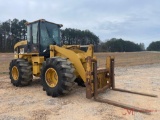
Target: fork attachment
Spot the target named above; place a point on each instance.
(99, 80)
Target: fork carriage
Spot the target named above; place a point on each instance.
(99, 80)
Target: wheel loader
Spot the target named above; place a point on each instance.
(59, 66)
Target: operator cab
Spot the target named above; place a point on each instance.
(41, 34)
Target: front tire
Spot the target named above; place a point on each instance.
(57, 76)
(20, 72)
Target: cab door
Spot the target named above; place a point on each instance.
(35, 45)
(32, 37)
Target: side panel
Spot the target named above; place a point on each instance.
(37, 64)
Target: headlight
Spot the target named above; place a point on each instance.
(21, 50)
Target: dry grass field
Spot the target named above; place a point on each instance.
(137, 71)
(125, 59)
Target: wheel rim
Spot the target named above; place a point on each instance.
(51, 77)
(15, 73)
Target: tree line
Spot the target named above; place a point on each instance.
(13, 31)
(154, 46)
(79, 37)
(120, 45)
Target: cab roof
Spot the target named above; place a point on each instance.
(43, 20)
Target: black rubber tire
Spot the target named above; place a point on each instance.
(80, 82)
(25, 72)
(66, 76)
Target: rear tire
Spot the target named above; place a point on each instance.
(63, 72)
(20, 72)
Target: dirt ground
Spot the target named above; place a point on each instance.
(134, 71)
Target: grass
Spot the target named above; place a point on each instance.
(130, 58)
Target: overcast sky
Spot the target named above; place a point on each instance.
(134, 20)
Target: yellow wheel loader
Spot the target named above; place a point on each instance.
(58, 67)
